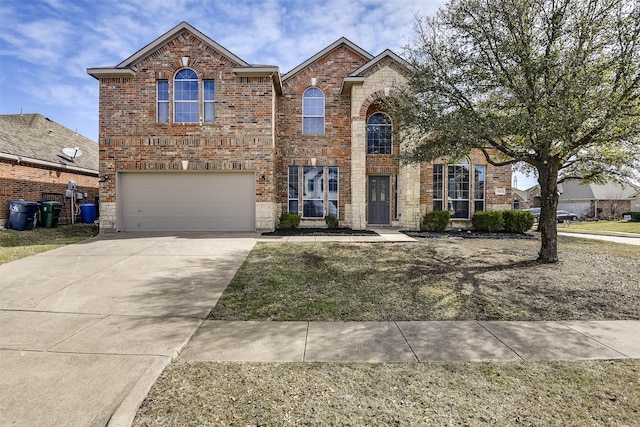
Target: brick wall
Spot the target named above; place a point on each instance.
(241, 138)
(334, 147)
(28, 182)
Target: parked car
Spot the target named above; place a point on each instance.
(535, 212)
(566, 216)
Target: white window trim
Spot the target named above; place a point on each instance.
(159, 101)
(196, 101)
(314, 116)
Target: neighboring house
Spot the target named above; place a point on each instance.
(635, 202)
(526, 199)
(601, 201)
(33, 165)
(192, 137)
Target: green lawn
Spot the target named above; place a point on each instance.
(615, 228)
(19, 244)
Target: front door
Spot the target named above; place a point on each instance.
(379, 206)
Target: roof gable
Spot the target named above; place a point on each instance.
(387, 54)
(171, 34)
(35, 137)
(359, 75)
(341, 41)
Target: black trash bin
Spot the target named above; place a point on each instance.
(50, 212)
(22, 214)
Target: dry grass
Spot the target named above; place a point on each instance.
(434, 279)
(603, 393)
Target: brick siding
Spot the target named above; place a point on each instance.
(28, 182)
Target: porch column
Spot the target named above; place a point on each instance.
(358, 175)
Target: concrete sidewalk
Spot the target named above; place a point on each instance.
(429, 341)
(614, 239)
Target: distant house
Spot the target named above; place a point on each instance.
(34, 165)
(526, 199)
(601, 201)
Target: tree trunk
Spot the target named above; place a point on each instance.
(548, 221)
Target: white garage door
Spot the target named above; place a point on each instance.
(182, 201)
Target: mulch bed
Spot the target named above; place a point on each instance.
(308, 231)
(468, 234)
(454, 233)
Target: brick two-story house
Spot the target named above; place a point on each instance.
(192, 137)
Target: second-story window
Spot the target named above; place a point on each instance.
(185, 97)
(208, 98)
(163, 101)
(313, 112)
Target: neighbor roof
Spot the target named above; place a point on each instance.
(37, 139)
(574, 190)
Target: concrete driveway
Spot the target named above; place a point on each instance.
(86, 329)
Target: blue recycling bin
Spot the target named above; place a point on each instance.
(22, 215)
(88, 212)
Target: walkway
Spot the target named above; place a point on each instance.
(614, 239)
(430, 341)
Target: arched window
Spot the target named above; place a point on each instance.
(379, 131)
(185, 96)
(313, 112)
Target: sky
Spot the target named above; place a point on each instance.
(46, 46)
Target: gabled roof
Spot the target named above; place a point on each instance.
(574, 190)
(523, 194)
(357, 77)
(172, 33)
(124, 69)
(341, 41)
(33, 138)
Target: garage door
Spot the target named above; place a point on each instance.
(181, 201)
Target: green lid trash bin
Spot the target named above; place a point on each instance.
(50, 213)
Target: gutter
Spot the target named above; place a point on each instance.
(21, 159)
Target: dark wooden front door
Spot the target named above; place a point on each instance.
(379, 203)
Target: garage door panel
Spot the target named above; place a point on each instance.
(187, 201)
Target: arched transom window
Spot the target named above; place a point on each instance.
(185, 96)
(379, 131)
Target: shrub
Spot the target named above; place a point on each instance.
(289, 221)
(332, 221)
(435, 221)
(635, 216)
(518, 221)
(490, 221)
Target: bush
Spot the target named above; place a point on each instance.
(490, 221)
(518, 221)
(435, 221)
(635, 216)
(332, 221)
(289, 221)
